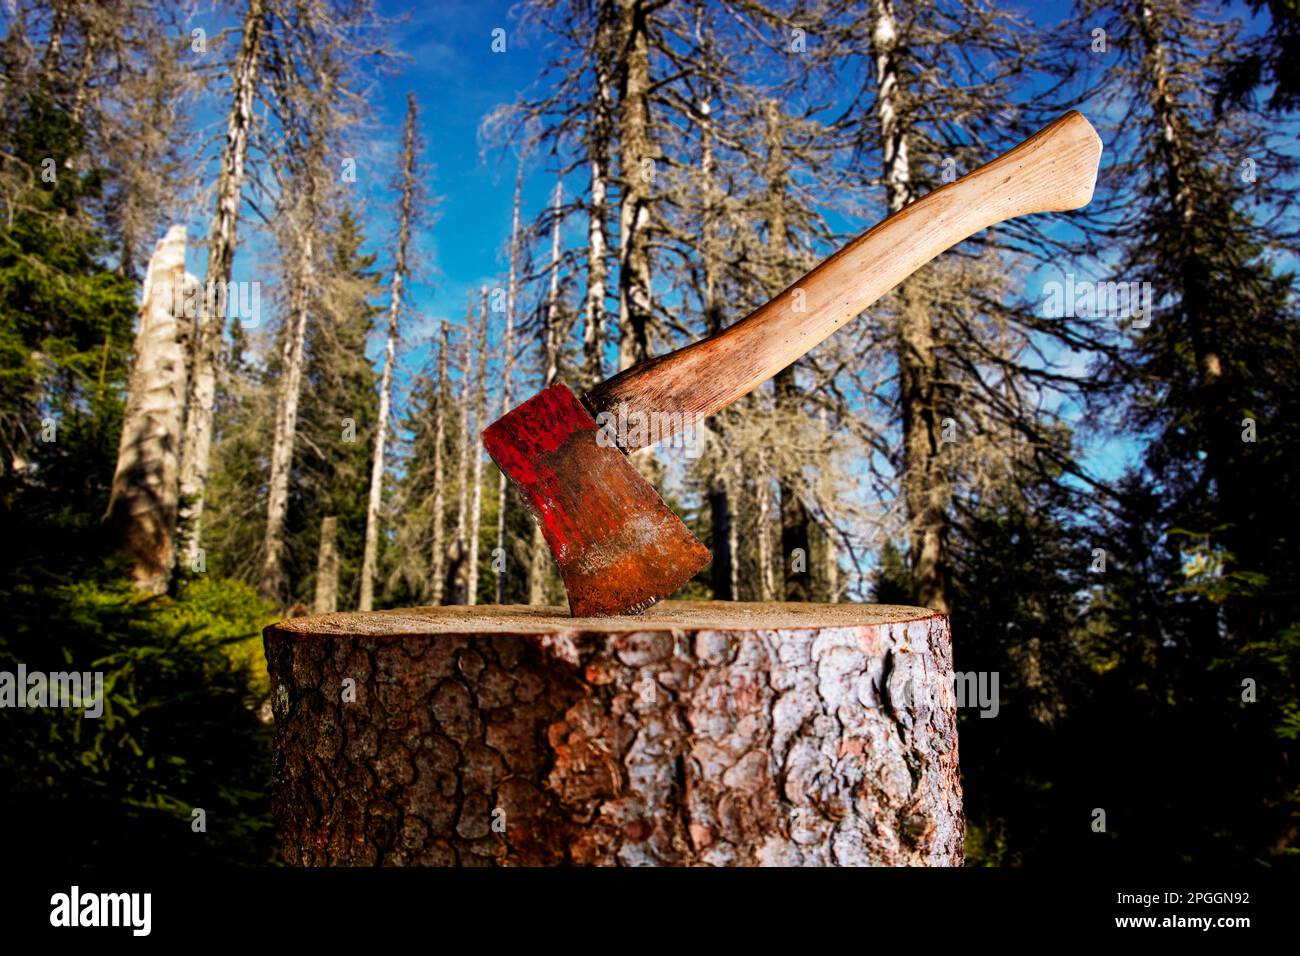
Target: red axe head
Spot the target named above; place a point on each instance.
(619, 547)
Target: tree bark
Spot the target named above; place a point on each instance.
(698, 734)
(142, 506)
(327, 567)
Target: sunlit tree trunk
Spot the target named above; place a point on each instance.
(924, 486)
(507, 367)
(327, 567)
(370, 555)
(286, 415)
(205, 342)
(539, 554)
(476, 491)
(599, 148)
(438, 563)
(142, 504)
(636, 184)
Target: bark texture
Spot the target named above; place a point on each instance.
(700, 733)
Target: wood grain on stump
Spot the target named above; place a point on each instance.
(698, 733)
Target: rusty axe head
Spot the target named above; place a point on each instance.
(619, 547)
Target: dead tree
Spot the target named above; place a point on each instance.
(507, 368)
(205, 344)
(438, 562)
(538, 554)
(142, 506)
(476, 490)
(370, 554)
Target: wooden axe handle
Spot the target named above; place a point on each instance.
(1052, 171)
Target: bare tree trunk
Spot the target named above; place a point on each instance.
(439, 556)
(716, 734)
(142, 506)
(794, 515)
(508, 362)
(539, 554)
(370, 554)
(458, 570)
(205, 343)
(327, 567)
(554, 334)
(720, 524)
(832, 565)
(925, 489)
(636, 158)
(735, 484)
(763, 492)
(1193, 290)
(599, 137)
(476, 492)
(286, 418)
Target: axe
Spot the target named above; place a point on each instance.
(619, 547)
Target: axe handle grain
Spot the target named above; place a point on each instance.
(1052, 171)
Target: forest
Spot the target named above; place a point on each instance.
(262, 287)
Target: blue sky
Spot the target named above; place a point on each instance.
(458, 79)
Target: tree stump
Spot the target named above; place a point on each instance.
(713, 733)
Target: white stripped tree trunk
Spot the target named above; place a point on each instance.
(539, 554)
(370, 552)
(924, 489)
(327, 567)
(507, 368)
(438, 563)
(463, 439)
(636, 156)
(142, 505)
(599, 147)
(763, 494)
(209, 322)
(286, 418)
(476, 491)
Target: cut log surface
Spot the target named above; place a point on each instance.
(710, 733)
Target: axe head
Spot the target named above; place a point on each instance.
(619, 547)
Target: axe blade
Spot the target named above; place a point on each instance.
(619, 547)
